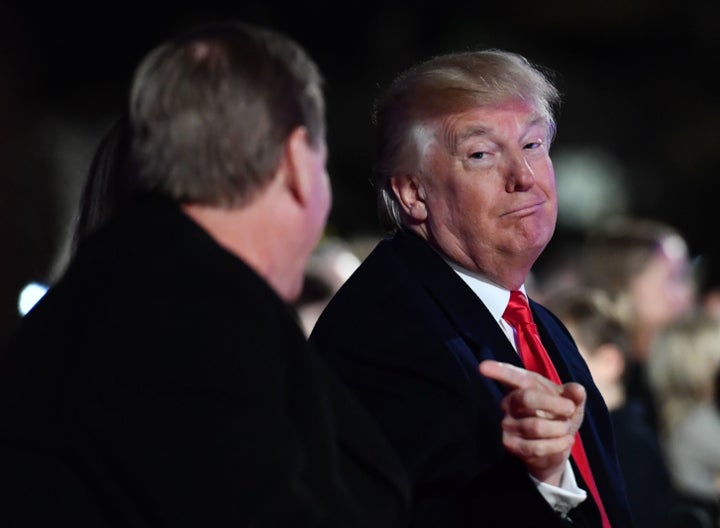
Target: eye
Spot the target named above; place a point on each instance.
(478, 155)
(533, 145)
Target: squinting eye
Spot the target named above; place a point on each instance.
(534, 145)
(477, 155)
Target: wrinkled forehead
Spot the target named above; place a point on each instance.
(486, 120)
(462, 100)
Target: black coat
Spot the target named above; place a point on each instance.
(162, 382)
(407, 334)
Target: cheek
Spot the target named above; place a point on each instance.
(458, 206)
(478, 195)
(326, 187)
(657, 299)
(324, 193)
(545, 176)
(681, 294)
(320, 201)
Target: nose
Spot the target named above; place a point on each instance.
(520, 175)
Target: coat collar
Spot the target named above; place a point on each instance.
(468, 315)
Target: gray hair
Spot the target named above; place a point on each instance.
(210, 112)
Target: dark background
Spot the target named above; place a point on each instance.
(638, 128)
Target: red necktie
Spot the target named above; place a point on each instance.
(535, 358)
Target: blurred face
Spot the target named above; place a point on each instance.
(664, 291)
(489, 190)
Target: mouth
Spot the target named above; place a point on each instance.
(525, 209)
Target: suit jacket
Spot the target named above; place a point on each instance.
(161, 382)
(407, 334)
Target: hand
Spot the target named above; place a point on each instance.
(541, 418)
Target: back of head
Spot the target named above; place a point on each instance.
(442, 86)
(590, 318)
(110, 181)
(210, 112)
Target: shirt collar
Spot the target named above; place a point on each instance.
(493, 296)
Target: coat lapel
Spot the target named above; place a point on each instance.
(470, 319)
(467, 315)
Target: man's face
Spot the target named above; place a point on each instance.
(490, 189)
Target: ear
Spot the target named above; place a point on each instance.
(411, 195)
(297, 165)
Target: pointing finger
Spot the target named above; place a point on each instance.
(515, 377)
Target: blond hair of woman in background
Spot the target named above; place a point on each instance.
(682, 373)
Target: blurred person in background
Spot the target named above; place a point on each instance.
(110, 182)
(683, 375)
(604, 344)
(330, 265)
(644, 267)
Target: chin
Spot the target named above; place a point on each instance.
(533, 249)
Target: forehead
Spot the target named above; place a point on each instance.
(510, 117)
